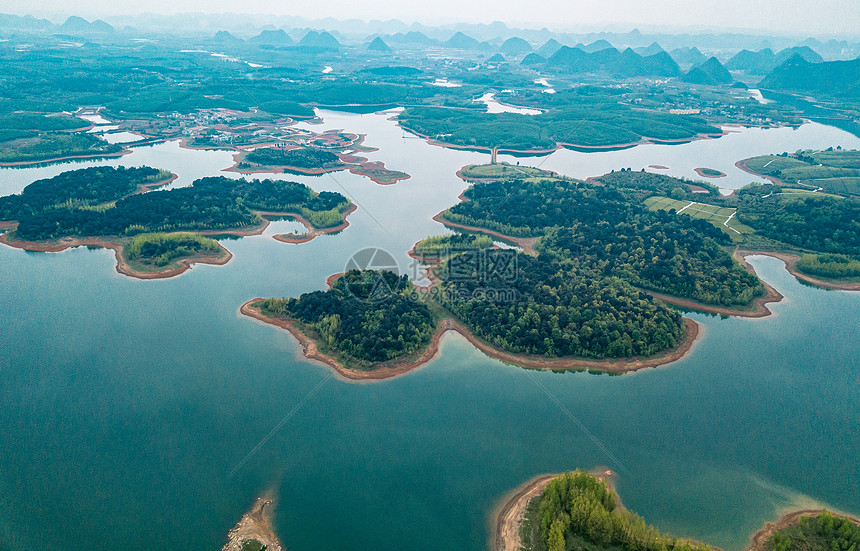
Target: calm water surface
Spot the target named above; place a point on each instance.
(126, 404)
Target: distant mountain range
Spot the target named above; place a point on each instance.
(829, 78)
(610, 61)
(685, 49)
(765, 61)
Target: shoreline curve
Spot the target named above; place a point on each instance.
(396, 368)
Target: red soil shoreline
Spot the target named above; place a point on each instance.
(400, 367)
(742, 164)
(508, 516)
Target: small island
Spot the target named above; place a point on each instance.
(312, 154)
(709, 172)
(115, 208)
(580, 510)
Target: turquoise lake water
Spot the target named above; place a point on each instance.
(126, 404)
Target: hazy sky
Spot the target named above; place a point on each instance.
(810, 17)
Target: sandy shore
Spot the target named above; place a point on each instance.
(506, 535)
(122, 266)
(758, 540)
(254, 525)
(791, 265)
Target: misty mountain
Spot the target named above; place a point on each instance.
(652, 49)
(224, 37)
(462, 42)
(79, 25)
(533, 59)
(765, 61)
(515, 46)
(275, 38)
(24, 23)
(550, 47)
(378, 45)
(595, 46)
(688, 56)
(619, 64)
(319, 40)
(711, 73)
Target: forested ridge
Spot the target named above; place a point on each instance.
(208, 204)
(555, 307)
(370, 316)
(603, 230)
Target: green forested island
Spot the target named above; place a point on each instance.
(571, 119)
(457, 242)
(364, 319)
(578, 511)
(308, 157)
(103, 202)
(604, 231)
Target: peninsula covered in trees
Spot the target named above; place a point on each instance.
(579, 510)
(108, 206)
(367, 318)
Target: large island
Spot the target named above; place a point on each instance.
(114, 208)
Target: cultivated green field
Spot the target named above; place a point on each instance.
(721, 217)
(832, 171)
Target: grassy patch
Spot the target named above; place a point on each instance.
(721, 217)
(502, 171)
